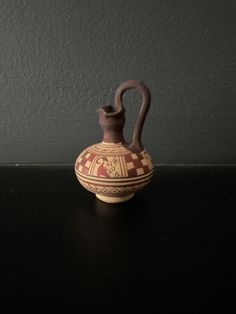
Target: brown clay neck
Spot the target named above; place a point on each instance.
(112, 124)
(113, 136)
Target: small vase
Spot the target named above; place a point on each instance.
(113, 169)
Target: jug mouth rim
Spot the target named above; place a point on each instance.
(108, 108)
(110, 111)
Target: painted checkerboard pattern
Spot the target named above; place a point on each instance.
(138, 164)
(127, 165)
(84, 162)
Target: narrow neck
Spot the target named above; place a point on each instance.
(113, 136)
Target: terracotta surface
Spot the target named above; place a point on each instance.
(113, 169)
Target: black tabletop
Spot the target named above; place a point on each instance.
(64, 251)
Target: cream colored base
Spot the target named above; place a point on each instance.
(113, 200)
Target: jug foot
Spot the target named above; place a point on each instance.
(113, 199)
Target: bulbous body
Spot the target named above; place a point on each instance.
(112, 171)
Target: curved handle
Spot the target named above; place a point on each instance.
(136, 145)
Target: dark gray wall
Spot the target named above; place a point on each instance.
(61, 59)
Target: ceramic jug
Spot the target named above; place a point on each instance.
(114, 169)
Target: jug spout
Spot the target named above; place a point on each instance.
(112, 123)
